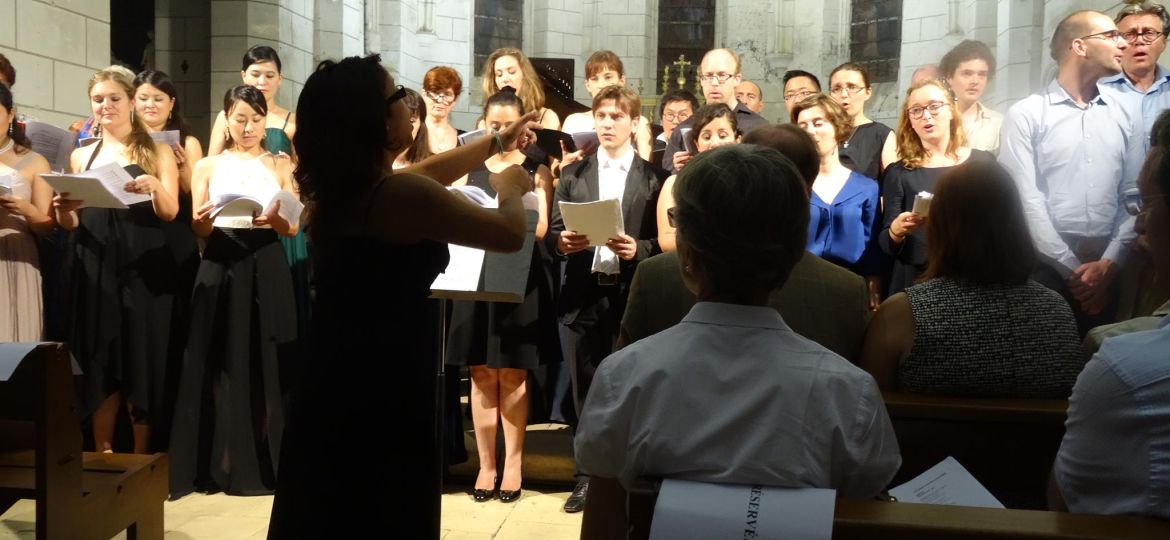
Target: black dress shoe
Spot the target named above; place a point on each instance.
(576, 501)
(507, 496)
(483, 495)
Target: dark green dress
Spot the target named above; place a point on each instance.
(296, 249)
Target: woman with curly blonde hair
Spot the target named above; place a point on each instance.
(508, 66)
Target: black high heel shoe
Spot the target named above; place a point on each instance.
(507, 496)
(485, 495)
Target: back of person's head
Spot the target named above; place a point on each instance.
(603, 60)
(1160, 141)
(842, 123)
(259, 54)
(742, 213)
(440, 78)
(965, 51)
(164, 83)
(794, 143)
(674, 95)
(977, 231)
(420, 149)
(797, 73)
(15, 132)
(506, 97)
(342, 132)
(623, 98)
(1075, 25)
(7, 72)
(248, 95)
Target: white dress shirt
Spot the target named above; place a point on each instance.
(732, 395)
(1115, 457)
(611, 184)
(1073, 167)
(983, 133)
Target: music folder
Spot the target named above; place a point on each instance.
(478, 275)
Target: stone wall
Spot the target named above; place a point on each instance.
(181, 37)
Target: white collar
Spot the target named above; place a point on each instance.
(623, 162)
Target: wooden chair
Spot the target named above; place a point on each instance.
(78, 495)
(1007, 444)
(880, 520)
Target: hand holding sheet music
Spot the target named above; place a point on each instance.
(107, 186)
(259, 201)
(598, 220)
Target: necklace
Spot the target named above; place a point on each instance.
(8, 146)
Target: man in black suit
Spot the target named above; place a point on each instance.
(597, 279)
(719, 73)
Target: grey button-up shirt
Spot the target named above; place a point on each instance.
(1146, 105)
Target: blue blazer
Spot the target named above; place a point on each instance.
(844, 232)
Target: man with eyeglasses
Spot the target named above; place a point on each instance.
(799, 85)
(1073, 152)
(719, 73)
(675, 107)
(1143, 85)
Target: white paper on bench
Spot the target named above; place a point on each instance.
(946, 483)
(700, 510)
(599, 220)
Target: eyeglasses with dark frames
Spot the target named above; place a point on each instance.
(1149, 36)
(1104, 36)
(399, 94)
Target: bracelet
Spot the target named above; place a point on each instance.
(499, 142)
(896, 236)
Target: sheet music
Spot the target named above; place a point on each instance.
(462, 273)
(290, 208)
(101, 187)
(586, 141)
(260, 200)
(52, 142)
(599, 220)
(946, 483)
(169, 137)
(471, 136)
(685, 134)
(6, 182)
(701, 510)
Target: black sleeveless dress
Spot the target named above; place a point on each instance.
(506, 335)
(124, 285)
(862, 152)
(372, 367)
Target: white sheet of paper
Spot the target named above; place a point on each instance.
(5, 184)
(922, 203)
(475, 195)
(101, 187)
(700, 510)
(290, 208)
(471, 136)
(11, 355)
(463, 270)
(946, 483)
(54, 143)
(599, 220)
(169, 137)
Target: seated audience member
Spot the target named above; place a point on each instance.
(750, 94)
(799, 86)
(802, 416)
(713, 125)
(604, 68)
(976, 326)
(675, 107)
(820, 301)
(931, 141)
(1113, 459)
(845, 206)
(967, 69)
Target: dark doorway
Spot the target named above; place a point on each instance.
(132, 33)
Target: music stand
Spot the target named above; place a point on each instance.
(502, 277)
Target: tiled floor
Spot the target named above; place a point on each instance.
(537, 515)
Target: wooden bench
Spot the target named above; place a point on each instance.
(1007, 444)
(879, 520)
(78, 495)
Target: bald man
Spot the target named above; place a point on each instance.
(1074, 153)
(750, 95)
(719, 73)
(923, 73)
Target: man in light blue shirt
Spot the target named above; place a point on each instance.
(1143, 86)
(1074, 153)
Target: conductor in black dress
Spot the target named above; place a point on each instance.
(597, 279)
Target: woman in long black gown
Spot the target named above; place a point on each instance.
(381, 239)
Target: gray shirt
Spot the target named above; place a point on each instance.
(1073, 166)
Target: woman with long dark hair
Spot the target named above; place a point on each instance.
(380, 240)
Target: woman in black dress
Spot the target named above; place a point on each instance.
(229, 413)
(500, 341)
(381, 241)
(931, 141)
(122, 274)
(871, 147)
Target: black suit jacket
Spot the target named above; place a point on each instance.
(579, 183)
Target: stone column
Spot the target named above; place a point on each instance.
(183, 51)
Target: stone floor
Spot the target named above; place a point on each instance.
(537, 515)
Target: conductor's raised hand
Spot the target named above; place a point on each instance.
(512, 178)
(570, 242)
(519, 134)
